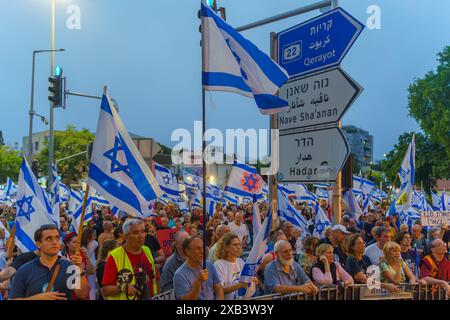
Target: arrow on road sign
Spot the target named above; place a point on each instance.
(318, 99)
(312, 156)
(319, 43)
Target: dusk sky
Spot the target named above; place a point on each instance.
(148, 53)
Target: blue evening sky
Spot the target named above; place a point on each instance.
(148, 53)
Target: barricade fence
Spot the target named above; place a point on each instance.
(364, 292)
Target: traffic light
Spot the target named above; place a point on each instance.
(34, 168)
(56, 88)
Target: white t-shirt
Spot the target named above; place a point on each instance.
(374, 253)
(240, 231)
(229, 273)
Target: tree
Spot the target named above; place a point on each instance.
(429, 156)
(68, 143)
(429, 103)
(10, 161)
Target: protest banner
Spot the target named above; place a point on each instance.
(166, 238)
(434, 218)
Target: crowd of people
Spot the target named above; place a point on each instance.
(119, 257)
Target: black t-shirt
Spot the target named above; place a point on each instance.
(339, 255)
(153, 244)
(353, 266)
(446, 237)
(22, 259)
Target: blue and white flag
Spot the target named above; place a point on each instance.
(322, 193)
(11, 188)
(167, 182)
(117, 169)
(301, 192)
(32, 211)
(64, 192)
(288, 212)
(321, 223)
(97, 198)
(230, 198)
(256, 221)
(445, 201)
(244, 181)
(406, 175)
(354, 209)
(76, 218)
(75, 201)
(257, 252)
(55, 196)
(234, 64)
(436, 201)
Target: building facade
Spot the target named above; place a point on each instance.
(361, 144)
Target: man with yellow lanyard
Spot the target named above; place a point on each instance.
(130, 271)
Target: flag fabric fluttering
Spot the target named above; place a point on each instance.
(167, 182)
(117, 169)
(10, 189)
(76, 217)
(436, 201)
(244, 181)
(257, 252)
(321, 223)
(234, 64)
(288, 212)
(32, 210)
(352, 204)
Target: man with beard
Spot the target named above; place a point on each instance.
(284, 275)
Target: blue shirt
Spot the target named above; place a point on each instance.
(33, 278)
(185, 277)
(170, 267)
(274, 276)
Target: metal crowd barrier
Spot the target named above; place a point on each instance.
(363, 292)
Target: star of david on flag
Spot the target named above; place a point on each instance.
(167, 182)
(117, 169)
(244, 181)
(234, 64)
(322, 222)
(33, 208)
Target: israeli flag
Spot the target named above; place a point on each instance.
(190, 180)
(406, 174)
(234, 64)
(97, 198)
(322, 193)
(32, 211)
(11, 188)
(4, 229)
(64, 192)
(75, 201)
(167, 182)
(288, 212)
(117, 169)
(55, 196)
(76, 218)
(244, 181)
(256, 221)
(230, 198)
(352, 204)
(436, 202)
(301, 191)
(322, 222)
(257, 252)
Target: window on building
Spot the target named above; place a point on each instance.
(36, 146)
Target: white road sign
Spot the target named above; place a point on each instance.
(312, 156)
(318, 99)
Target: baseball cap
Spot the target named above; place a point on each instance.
(340, 227)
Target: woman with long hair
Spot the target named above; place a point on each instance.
(307, 257)
(90, 244)
(229, 266)
(108, 245)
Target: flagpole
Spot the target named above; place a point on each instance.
(390, 192)
(203, 143)
(86, 195)
(11, 242)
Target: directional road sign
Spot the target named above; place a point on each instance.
(318, 99)
(319, 43)
(312, 156)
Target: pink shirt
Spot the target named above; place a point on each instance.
(326, 278)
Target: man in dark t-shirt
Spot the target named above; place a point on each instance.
(8, 272)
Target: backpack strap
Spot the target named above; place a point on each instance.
(53, 279)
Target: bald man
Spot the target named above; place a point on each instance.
(435, 267)
(173, 262)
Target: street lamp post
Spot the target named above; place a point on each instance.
(31, 112)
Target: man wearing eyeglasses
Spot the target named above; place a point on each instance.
(435, 268)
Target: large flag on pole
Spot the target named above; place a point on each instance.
(244, 181)
(167, 182)
(11, 188)
(322, 222)
(234, 64)
(32, 211)
(352, 204)
(117, 169)
(406, 175)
